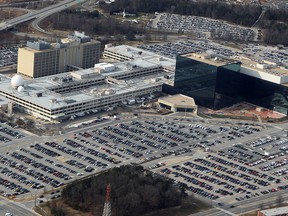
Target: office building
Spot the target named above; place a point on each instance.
(40, 58)
(103, 87)
(125, 53)
(282, 211)
(178, 103)
(216, 82)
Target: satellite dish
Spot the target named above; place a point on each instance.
(17, 81)
(20, 89)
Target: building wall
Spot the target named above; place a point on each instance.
(55, 60)
(25, 62)
(63, 112)
(70, 55)
(177, 108)
(195, 79)
(91, 54)
(227, 88)
(46, 63)
(218, 87)
(260, 74)
(116, 56)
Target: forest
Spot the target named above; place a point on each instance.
(275, 25)
(134, 191)
(91, 23)
(274, 22)
(238, 14)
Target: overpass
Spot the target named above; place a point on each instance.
(39, 13)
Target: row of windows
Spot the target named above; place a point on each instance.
(30, 106)
(77, 86)
(100, 102)
(116, 56)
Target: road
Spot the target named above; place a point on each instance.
(246, 205)
(36, 14)
(16, 209)
(13, 4)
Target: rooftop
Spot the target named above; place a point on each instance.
(4, 101)
(265, 70)
(75, 38)
(142, 57)
(179, 99)
(208, 58)
(52, 100)
(275, 211)
(267, 67)
(42, 91)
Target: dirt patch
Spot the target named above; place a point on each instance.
(244, 111)
(9, 13)
(189, 206)
(47, 208)
(62, 159)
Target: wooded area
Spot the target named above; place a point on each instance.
(133, 192)
(274, 22)
(239, 14)
(275, 25)
(91, 23)
(276, 33)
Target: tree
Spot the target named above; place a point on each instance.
(133, 192)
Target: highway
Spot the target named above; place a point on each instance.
(36, 14)
(16, 209)
(15, 4)
(246, 205)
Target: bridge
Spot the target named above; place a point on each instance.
(39, 13)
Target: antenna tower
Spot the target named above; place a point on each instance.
(107, 205)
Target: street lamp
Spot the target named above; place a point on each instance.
(35, 197)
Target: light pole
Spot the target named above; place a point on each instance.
(35, 197)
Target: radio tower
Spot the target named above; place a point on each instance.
(107, 205)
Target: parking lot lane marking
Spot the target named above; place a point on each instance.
(227, 212)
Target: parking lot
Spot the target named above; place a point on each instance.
(273, 54)
(238, 172)
(173, 49)
(8, 134)
(253, 51)
(215, 29)
(51, 163)
(219, 168)
(8, 56)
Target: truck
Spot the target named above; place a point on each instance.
(131, 101)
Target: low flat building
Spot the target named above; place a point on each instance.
(178, 103)
(104, 87)
(124, 53)
(283, 211)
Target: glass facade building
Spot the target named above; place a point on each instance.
(218, 86)
(202, 81)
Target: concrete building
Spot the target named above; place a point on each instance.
(125, 53)
(178, 103)
(283, 211)
(40, 58)
(104, 87)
